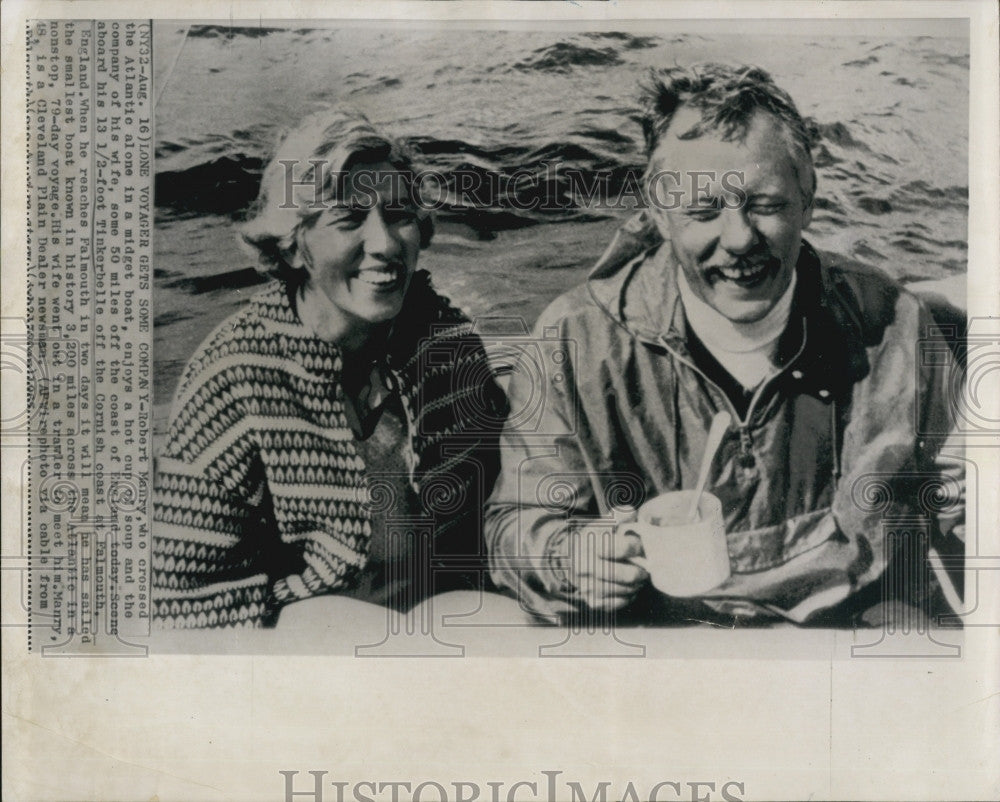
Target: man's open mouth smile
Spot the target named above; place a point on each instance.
(748, 274)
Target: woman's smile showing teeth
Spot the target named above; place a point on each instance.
(361, 251)
(386, 276)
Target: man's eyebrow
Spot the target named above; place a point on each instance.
(705, 200)
(766, 194)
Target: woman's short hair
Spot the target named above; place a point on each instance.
(305, 174)
(727, 96)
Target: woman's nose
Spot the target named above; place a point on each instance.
(380, 238)
(738, 235)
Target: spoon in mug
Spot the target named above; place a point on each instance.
(716, 432)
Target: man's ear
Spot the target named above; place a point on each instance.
(657, 225)
(807, 212)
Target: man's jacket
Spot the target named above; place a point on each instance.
(836, 453)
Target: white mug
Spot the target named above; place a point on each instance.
(683, 558)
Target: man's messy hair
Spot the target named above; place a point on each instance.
(728, 96)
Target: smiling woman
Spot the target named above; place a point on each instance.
(336, 221)
(360, 254)
(307, 427)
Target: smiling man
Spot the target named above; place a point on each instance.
(713, 302)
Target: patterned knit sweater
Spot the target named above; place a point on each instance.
(261, 496)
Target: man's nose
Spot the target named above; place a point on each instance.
(738, 234)
(379, 237)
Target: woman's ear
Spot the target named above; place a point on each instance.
(294, 251)
(293, 258)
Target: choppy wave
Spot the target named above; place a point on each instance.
(497, 104)
(561, 57)
(488, 189)
(226, 185)
(629, 41)
(244, 31)
(497, 183)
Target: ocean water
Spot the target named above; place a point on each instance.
(891, 112)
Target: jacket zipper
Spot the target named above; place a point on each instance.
(746, 457)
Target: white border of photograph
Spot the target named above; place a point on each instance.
(794, 726)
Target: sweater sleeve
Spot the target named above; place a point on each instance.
(207, 508)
